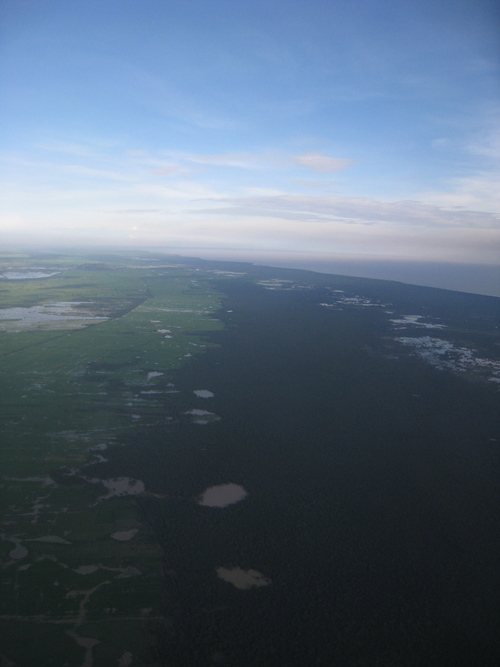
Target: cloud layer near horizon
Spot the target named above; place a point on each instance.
(352, 210)
(96, 194)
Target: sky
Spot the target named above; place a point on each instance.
(268, 130)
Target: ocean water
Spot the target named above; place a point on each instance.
(462, 277)
(472, 278)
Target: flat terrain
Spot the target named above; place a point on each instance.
(75, 551)
(212, 463)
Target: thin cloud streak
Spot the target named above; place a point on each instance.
(321, 164)
(354, 211)
(138, 211)
(242, 160)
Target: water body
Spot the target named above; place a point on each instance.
(59, 315)
(27, 275)
(372, 481)
(222, 495)
(474, 278)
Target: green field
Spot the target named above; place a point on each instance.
(69, 396)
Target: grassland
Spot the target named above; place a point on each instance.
(80, 571)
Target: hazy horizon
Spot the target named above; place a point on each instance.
(471, 278)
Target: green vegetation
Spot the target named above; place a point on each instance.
(360, 417)
(69, 396)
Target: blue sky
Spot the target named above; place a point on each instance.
(260, 130)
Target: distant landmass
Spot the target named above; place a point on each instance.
(217, 463)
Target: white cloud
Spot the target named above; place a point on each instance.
(240, 160)
(168, 170)
(354, 211)
(90, 172)
(139, 211)
(321, 164)
(480, 191)
(79, 150)
(31, 170)
(122, 193)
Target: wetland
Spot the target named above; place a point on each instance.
(218, 463)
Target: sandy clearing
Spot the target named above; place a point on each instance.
(222, 495)
(125, 535)
(242, 579)
(202, 416)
